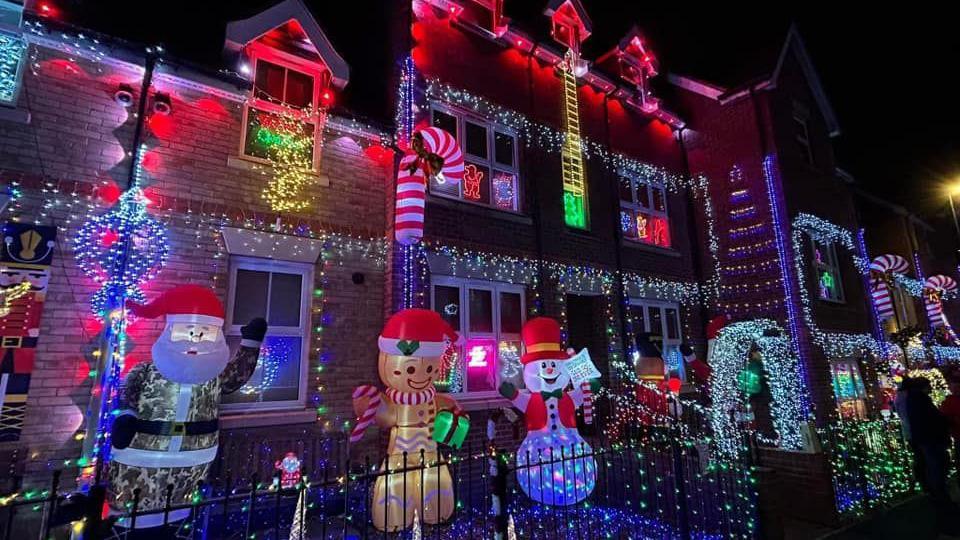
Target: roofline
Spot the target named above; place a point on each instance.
(816, 85)
(244, 31)
(896, 208)
(554, 5)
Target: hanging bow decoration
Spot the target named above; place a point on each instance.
(933, 290)
(433, 154)
(882, 269)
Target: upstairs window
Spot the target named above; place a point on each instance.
(283, 109)
(12, 51)
(643, 211)
(491, 171)
(829, 286)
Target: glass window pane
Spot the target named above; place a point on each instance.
(269, 81)
(503, 148)
(643, 196)
(476, 183)
(626, 189)
(286, 292)
(299, 89)
(250, 295)
(476, 140)
(508, 363)
(446, 301)
(628, 223)
(481, 364)
(658, 231)
(266, 132)
(673, 324)
(481, 310)
(511, 313)
(659, 199)
(638, 315)
(505, 190)
(656, 320)
(446, 122)
(277, 376)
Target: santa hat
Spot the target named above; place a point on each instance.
(416, 332)
(541, 341)
(183, 303)
(713, 328)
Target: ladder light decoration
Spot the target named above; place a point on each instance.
(574, 178)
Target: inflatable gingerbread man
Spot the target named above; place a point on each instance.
(411, 346)
(555, 464)
(168, 432)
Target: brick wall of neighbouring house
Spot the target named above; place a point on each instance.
(77, 139)
(804, 489)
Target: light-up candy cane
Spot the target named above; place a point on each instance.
(933, 290)
(882, 269)
(587, 403)
(435, 153)
(369, 414)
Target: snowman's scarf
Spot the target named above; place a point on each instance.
(412, 398)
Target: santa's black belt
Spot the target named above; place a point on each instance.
(172, 429)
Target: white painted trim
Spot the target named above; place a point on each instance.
(137, 457)
(272, 246)
(695, 86)
(154, 519)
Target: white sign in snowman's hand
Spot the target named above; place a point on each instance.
(580, 368)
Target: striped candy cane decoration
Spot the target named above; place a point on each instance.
(438, 148)
(587, 403)
(369, 414)
(880, 270)
(933, 289)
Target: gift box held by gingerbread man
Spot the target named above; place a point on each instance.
(418, 418)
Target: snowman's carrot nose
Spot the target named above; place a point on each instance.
(549, 371)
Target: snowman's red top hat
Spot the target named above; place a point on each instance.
(541, 341)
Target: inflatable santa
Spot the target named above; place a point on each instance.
(411, 345)
(555, 464)
(167, 434)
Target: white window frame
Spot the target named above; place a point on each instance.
(636, 183)
(289, 62)
(662, 305)
(232, 328)
(489, 162)
(833, 264)
(495, 287)
(802, 136)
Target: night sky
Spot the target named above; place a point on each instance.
(888, 74)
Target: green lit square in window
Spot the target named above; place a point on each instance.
(574, 210)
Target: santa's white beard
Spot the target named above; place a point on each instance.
(175, 363)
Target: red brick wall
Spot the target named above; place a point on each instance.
(78, 136)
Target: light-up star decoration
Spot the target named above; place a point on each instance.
(121, 250)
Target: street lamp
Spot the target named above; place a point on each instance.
(954, 189)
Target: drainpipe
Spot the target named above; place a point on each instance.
(691, 222)
(534, 198)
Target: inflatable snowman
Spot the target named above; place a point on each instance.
(554, 464)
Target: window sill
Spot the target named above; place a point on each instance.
(247, 164)
(14, 115)
(479, 209)
(481, 402)
(640, 246)
(234, 420)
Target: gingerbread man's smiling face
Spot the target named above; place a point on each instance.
(408, 373)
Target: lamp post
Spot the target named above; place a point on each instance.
(954, 190)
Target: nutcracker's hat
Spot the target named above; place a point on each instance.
(183, 303)
(541, 341)
(416, 332)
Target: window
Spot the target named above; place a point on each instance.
(12, 50)
(849, 390)
(488, 316)
(643, 211)
(279, 292)
(802, 136)
(661, 318)
(491, 174)
(827, 270)
(284, 100)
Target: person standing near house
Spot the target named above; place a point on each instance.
(950, 408)
(930, 433)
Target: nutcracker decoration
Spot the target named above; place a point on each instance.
(167, 432)
(933, 290)
(25, 258)
(433, 154)
(882, 269)
(651, 391)
(411, 345)
(555, 464)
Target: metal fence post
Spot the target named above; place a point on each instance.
(498, 469)
(680, 485)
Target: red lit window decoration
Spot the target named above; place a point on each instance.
(472, 177)
(643, 211)
(660, 233)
